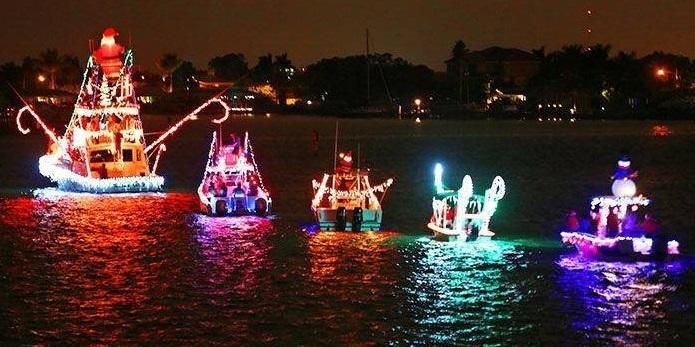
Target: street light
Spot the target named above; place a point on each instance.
(668, 75)
(417, 103)
(42, 78)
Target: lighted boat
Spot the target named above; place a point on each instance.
(232, 184)
(103, 149)
(613, 229)
(461, 214)
(346, 199)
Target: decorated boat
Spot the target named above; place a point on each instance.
(103, 149)
(232, 185)
(347, 200)
(616, 227)
(461, 214)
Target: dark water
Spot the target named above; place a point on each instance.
(147, 269)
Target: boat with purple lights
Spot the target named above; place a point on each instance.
(616, 227)
(232, 184)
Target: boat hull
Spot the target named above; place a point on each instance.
(72, 182)
(621, 248)
(446, 234)
(327, 219)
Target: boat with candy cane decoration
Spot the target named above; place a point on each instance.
(614, 231)
(346, 199)
(232, 184)
(460, 214)
(103, 149)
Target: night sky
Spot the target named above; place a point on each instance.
(420, 31)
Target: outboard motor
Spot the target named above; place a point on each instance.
(659, 246)
(341, 219)
(475, 231)
(239, 199)
(357, 219)
(261, 207)
(220, 208)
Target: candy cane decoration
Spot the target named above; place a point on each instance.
(191, 116)
(38, 120)
(162, 148)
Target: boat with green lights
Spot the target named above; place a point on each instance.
(461, 214)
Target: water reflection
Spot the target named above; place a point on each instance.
(232, 252)
(621, 303)
(353, 279)
(459, 293)
(88, 268)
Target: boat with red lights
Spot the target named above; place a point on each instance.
(346, 199)
(103, 147)
(461, 214)
(232, 185)
(616, 227)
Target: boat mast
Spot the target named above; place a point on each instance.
(368, 84)
(335, 155)
(219, 139)
(359, 190)
(335, 148)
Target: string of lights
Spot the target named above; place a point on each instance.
(191, 116)
(612, 201)
(354, 194)
(162, 148)
(255, 166)
(641, 244)
(211, 154)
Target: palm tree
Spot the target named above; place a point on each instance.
(29, 68)
(458, 57)
(50, 62)
(168, 64)
(70, 72)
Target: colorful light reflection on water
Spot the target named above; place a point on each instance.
(459, 291)
(624, 303)
(145, 268)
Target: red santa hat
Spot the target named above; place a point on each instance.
(110, 32)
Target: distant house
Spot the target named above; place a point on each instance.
(149, 92)
(53, 97)
(509, 66)
(212, 82)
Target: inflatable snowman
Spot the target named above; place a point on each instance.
(623, 185)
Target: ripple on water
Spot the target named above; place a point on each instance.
(145, 268)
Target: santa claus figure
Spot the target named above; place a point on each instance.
(109, 53)
(345, 163)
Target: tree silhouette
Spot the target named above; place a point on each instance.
(168, 64)
(229, 67)
(50, 62)
(457, 66)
